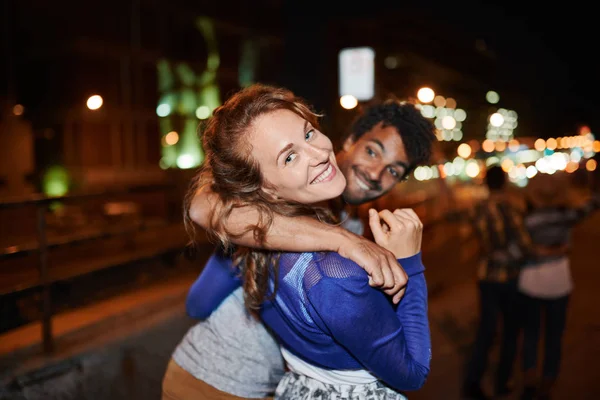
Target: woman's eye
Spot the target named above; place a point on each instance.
(370, 152)
(290, 158)
(308, 135)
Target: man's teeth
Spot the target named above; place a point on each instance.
(324, 175)
(362, 185)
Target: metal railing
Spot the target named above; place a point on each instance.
(42, 245)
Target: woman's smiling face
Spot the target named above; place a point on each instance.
(295, 159)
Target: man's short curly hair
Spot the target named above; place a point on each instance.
(417, 132)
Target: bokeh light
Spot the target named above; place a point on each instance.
(18, 110)
(202, 112)
(163, 110)
(496, 119)
(348, 101)
(472, 169)
(448, 122)
(488, 146)
(507, 165)
(94, 102)
(540, 144)
(460, 114)
(425, 95)
(171, 138)
(492, 97)
(439, 101)
(464, 150)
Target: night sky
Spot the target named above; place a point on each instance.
(542, 52)
(547, 52)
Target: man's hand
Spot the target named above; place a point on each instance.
(381, 265)
(399, 232)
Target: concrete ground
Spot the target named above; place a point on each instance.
(118, 349)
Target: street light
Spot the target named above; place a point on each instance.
(18, 110)
(464, 150)
(496, 120)
(348, 101)
(425, 95)
(94, 102)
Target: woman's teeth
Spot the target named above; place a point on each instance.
(324, 175)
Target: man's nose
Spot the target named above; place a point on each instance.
(374, 172)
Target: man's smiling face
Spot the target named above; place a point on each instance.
(373, 164)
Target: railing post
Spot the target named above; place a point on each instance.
(47, 340)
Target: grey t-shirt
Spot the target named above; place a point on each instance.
(354, 225)
(234, 352)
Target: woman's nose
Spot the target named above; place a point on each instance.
(318, 154)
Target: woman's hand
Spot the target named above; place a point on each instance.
(399, 232)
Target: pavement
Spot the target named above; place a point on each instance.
(129, 354)
(453, 314)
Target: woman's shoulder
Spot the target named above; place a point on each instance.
(331, 277)
(323, 269)
(333, 265)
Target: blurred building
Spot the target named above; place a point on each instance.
(160, 68)
(16, 163)
(104, 84)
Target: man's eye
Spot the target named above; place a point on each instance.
(308, 135)
(290, 158)
(394, 173)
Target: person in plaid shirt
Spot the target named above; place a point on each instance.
(505, 247)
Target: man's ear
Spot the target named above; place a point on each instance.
(348, 143)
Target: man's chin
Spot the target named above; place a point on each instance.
(354, 200)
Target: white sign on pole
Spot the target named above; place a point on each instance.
(357, 72)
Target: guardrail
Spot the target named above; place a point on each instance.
(42, 244)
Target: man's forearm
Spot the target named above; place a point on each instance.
(296, 234)
(300, 234)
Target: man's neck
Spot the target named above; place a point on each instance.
(351, 210)
(338, 205)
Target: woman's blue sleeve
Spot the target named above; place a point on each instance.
(217, 280)
(394, 344)
(413, 313)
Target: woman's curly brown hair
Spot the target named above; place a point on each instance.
(231, 172)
